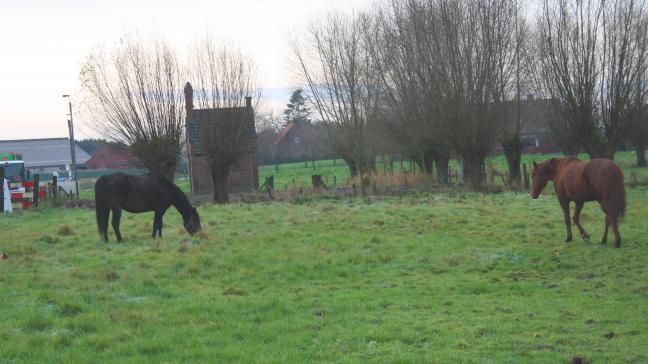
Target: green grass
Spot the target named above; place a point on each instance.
(456, 277)
(298, 174)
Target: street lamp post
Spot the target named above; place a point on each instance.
(72, 148)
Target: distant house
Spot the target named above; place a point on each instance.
(112, 156)
(301, 140)
(536, 116)
(291, 140)
(244, 176)
(45, 155)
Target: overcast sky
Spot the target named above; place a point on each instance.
(43, 43)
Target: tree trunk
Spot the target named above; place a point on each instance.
(428, 163)
(220, 176)
(640, 149)
(442, 162)
(473, 171)
(353, 169)
(598, 150)
(513, 153)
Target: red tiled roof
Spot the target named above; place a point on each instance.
(285, 130)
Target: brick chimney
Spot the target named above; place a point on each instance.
(188, 91)
(248, 101)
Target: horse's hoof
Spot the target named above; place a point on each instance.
(617, 244)
(568, 240)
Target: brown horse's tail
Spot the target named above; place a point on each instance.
(617, 194)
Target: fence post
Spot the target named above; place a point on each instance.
(354, 190)
(334, 180)
(2, 174)
(374, 187)
(526, 176)
(55, 188)
(36, 189)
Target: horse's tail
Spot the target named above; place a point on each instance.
(617, 194)
(101, 209)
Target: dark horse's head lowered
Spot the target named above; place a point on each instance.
(191, 222)
(542, 174)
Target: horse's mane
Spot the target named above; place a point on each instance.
(180, 199)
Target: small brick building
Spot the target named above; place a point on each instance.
(111, 156)
(244, 175)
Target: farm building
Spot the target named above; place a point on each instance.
(112, 156)
(291, 140)
(535, 115)
(301, 140)
(45, 155)
(244, 176)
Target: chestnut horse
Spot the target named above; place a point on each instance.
(597, 180)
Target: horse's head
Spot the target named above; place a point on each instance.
(192, 223)
(541, 175)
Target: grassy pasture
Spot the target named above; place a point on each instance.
(455, 277)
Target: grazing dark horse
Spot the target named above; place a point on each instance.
(117, 192)
(597, 180)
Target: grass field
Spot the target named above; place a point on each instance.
(455, 277)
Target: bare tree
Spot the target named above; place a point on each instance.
(268, 126)
(472, 45)
(512, 125)
(136, 98)
(591, 56)
(399, 46)
(639, 136)
(342, 85)
(223, 77)
(639, 127)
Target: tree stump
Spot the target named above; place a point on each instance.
(317, 181)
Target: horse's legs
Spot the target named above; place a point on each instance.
(103, 223)
(605, 233)
(115, 223)
(565, 207)
(579, 207)
(617, 235)
(160, 213)
(156, 224)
